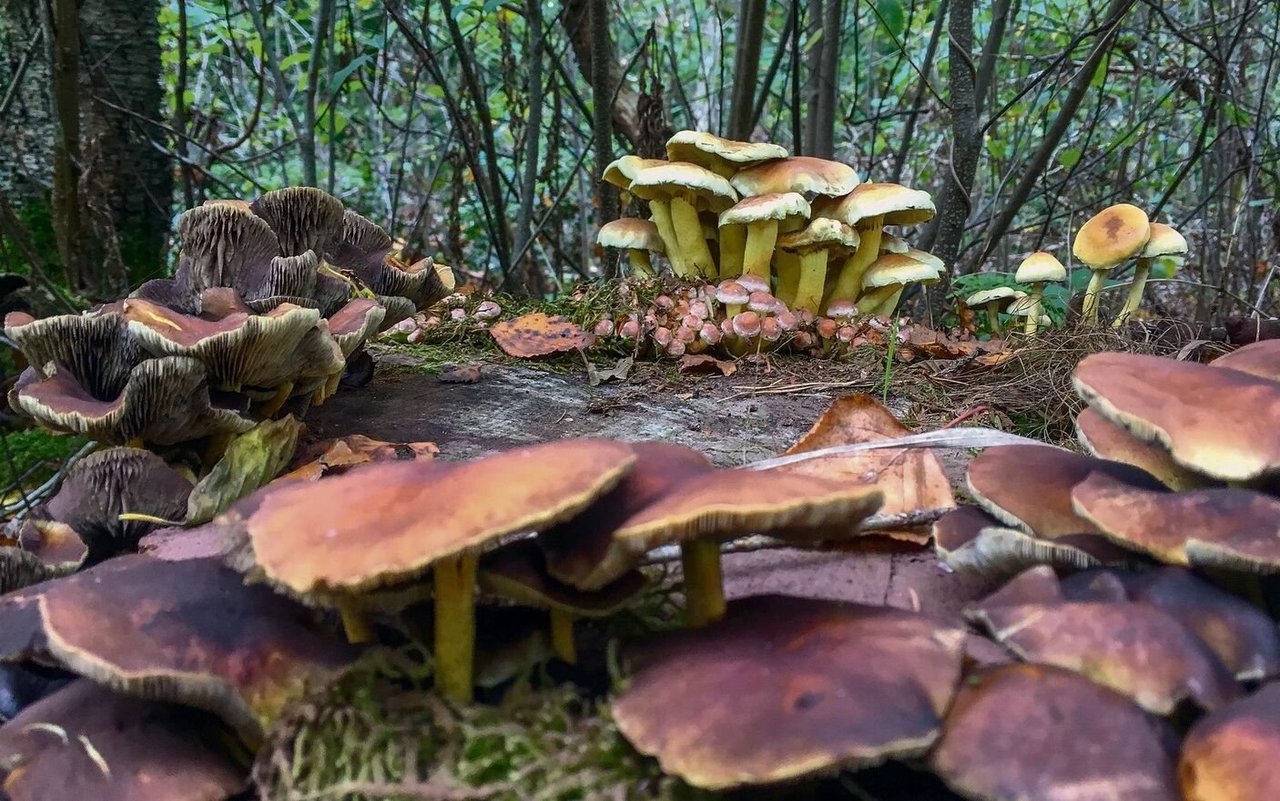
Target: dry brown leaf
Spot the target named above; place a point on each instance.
(536, 334)
(911, 478)
(702, 364)
(469, 374)
(335, 456)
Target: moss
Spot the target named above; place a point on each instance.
(34, 453)
(38, 224)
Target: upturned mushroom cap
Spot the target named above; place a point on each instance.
(804, 174)
(1106, 440)
(1112, 236)
(353, 324)
(1029, 486)
(45, 549)
(783, 208)
(1030, 732)
(820, 233)
(1261, 359)
(890, 269)
(95, 347)
(518, 571)
(892, 243)
(222, 245)
(1232, 441)
(1164, 241)
(1005, 294)
(309, 538)
(631, 233)
(622, 171)
(302, 218)
(189, 632)
(365, 249)
(1040, 266)
(969, 541)
(783, 688)
(897, 204)
(722, 156)
(689, 180)
(1230, 755)
(165, 401)
(86, 742)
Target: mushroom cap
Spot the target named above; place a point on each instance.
(1040, 266)
(302, 217)
(970, 541)
(95, 347)
(1106, 440)
(189, 632)
(1164, 241)
(782, 207)
(1112, 236)
(732, 292)
(519, 571)
(309, 537)
(221, 245)
(1229, 440)
(724, 156)
(892, 243)
(897, 204)
(782, 688)
(822, 233)
(1007, 294)
(622, 171)
(1037, 732)
(925, 257)
(87, 742)
(804, 174)
(680, 178)
(1029, 487)
(1136, 649)
(1231, 753)
(631, 233)
(1261, 359)
(365, 250)
(45, 549)
(353, 324)
(746, 324)
(890, 269)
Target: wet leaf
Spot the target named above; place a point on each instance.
(702, 364)
(536, 334)
(250, 461)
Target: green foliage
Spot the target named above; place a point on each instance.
(34, 453)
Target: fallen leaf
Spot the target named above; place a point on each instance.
(620, 371)
(911, 478)
(536, 334)
(461, 375)
(334, 456)
(250, 461)
(702, 364)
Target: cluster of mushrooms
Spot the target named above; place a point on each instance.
(781, 243)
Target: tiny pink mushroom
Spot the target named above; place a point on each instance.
(746, 324)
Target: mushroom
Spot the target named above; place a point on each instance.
(1261, 359)
(804, 174)
(675, 192)
(815, 244)
(308, 539)
(995, 300)
(366, 250)
(638, 237)
(1230, 753)
(784, 688)
(1038, 269)
(1106, 440)
(1164, 242)
(885, 279)
(43, 549)
(1105, 241)
(1037, 732)
(969, 541)
(302, 217)
(724, 157)
(762, 217)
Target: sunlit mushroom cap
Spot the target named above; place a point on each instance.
(1136, 649)
(820, 233)
(1040, 266)
(1261, 358)
(309, 537)
(1029, 486)
(1164, 241)
(1230, 755)
(1005, 294)
(622, 171)
(680, 178)
(897, 268)
(1162, 400)
(804, 174)
(1106, 440)
(1034, 732)
(45, 549)
(892, 243)
(897, 204)
(302, 217)
(786, 687)
(722, 156)
(783, 207)
(518, 571)
(1112, 236)
(86, 742)
(631, 233)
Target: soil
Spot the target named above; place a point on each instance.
(724, 417)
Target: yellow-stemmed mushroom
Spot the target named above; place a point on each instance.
(822, 239)
(1165, 242)
(1105, 241)
(886, 278)
(1038, 269)
(763, 216)
(676, 191)
(638, 237)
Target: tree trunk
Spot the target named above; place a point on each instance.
(746, 68)
(820, 123)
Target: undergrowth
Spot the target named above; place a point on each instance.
(30, 456)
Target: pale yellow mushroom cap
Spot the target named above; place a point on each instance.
(680, 178)
(722, 156)
(782, 206)
(897, 204)
(821, 233)
(1112, 236)
(897, 268)
(621, 172)
(1003, 293)
(1040, 266)
(797, 174)
(925, 257)
(1164, 241)
(892, 243)
(631, 233)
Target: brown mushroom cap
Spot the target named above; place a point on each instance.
(1111, 236)
(309, 537)
(95, 347)
(45, 549)
(1032, 732)
(190, 632)
(822, 233)
(86, 742)
(1029, 486)
(1230, 755)
(1261, 358)
(365, 250)
(519, 571)
(784, 687)
(1134, 648)
(969, 541)
(892, 269)
(1106, 440)
(721, 156)
(1232, 441)
(355, 323)
(220, 245)
(804, 174)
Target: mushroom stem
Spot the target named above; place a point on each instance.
(693, 246)
(875, 301)
(455, 629)
(660, 210)
(789, 270)
(1033, 319)
(277, 401)
(640, 264)
(1089, 308)
(135, 442)
(733, 241)
(849, 282)
(993, 316)
(703, 582)
(355, 621)
(813, 276)
(1140, 272)
(562, 636)
(762, 237)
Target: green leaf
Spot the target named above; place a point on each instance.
(250, 461)
(892, 16)
(293, 59)
(1069, 157)
(342, 74)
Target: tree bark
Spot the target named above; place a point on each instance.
(820, 124)
(602, 91)
(576, 20)
(746, 68)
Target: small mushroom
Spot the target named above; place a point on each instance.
(638, 237)
(763, 216)
(1038, 269)
(1164, 242)
(995, 300)
(1107, 240)
(44, 549)
(969, 541)
(675, 192)
(1231, 753)
(815, 245)
(884, 280)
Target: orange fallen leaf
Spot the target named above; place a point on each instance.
(911, 478)
(335, 456)
(537, 334)
(702, 364)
